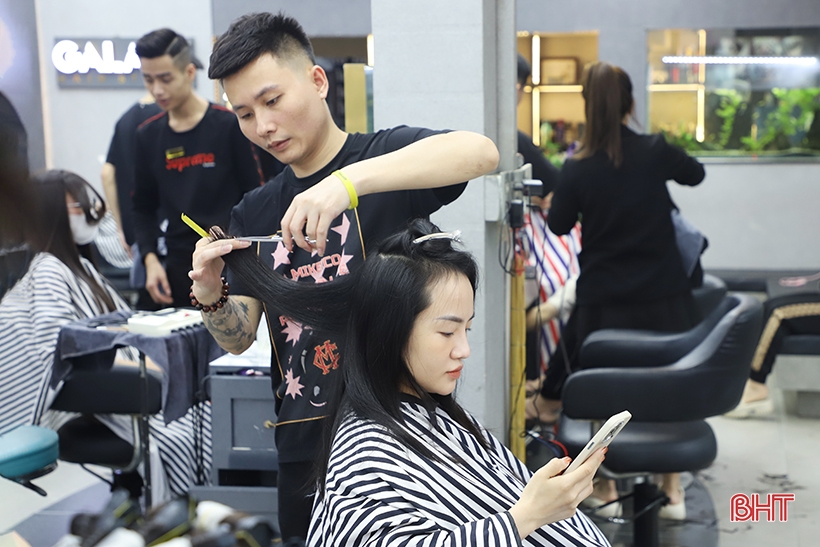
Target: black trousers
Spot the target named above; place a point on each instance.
(296, 489)
(783, 316)
(177, 264)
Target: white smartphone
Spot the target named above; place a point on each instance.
(612, 427)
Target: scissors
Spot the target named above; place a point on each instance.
(261, 239)
(202, 232)
(255, 239)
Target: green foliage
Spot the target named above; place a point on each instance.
(793, 110)
(788, 112)
(730, 103)
(685, 139)
(554, 152)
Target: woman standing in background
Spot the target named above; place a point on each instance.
(632, 275)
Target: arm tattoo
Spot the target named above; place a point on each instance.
(231, 326)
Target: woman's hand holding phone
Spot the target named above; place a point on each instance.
(552, 495)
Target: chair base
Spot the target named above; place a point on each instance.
(28, 452)
(85, 440)
(26, 479)
(647, 501)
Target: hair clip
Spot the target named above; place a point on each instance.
(454, 236)
(94, 211)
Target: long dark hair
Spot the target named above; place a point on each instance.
(374, 309)
(607, 92)
(52, 229)
(16, 205)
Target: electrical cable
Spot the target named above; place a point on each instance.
(541, 276)
(503, 248)
(516, 234)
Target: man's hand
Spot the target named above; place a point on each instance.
(208, 265)
(156, 280)
(311, 213)
(234, 325)
(550, 496)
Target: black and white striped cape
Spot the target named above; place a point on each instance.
(108, 243)
(31, 314)
(379, 492)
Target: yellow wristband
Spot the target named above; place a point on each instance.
(351, 191)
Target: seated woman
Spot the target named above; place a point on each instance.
(58, 287)
(405, 464)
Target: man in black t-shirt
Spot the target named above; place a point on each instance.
(118, 171)
(268, 71)
(190, 158)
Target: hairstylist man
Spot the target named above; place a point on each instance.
(338, 194)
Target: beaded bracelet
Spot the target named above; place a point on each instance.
(216, 305)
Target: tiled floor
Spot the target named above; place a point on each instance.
(779, 455)
(764, 456)
(18, 503)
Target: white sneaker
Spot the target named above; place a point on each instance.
(676, 511)
(753, 409)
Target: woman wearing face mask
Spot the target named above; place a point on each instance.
(90, 221)
(61, 286)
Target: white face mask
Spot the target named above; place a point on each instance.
(83, 232)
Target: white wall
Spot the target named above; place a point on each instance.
(317, 17)
(756, 216)
(79, 122)
(437, 65)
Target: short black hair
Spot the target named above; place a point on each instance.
(254, 34)
(524, 70)
(167, 42)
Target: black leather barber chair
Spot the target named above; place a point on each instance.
(85, 440)
(709, 294)
(670, 383)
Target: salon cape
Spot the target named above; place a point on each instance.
(379, 492)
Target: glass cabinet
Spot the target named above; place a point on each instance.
(552, 108)
(741, 93)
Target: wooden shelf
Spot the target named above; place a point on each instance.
(554, 88)
(550, 102)
(674, 87)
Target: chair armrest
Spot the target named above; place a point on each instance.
(117, 390)
(622, 348)
(656, 394)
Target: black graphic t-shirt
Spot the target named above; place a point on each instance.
(202, 172)
(303, 361)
